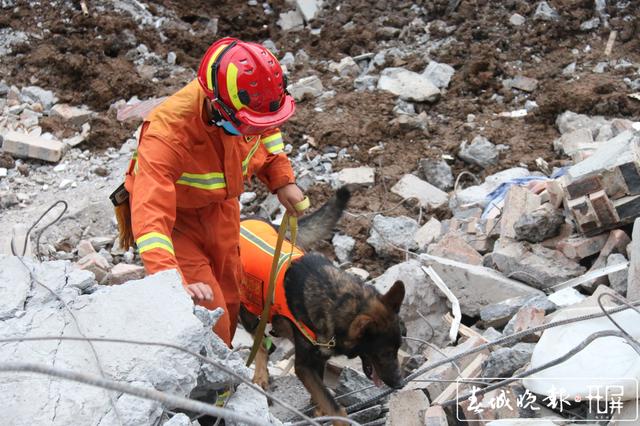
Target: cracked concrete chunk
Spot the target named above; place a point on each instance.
(14, 286)
(153, 309)
(248, 401)
(423, 302)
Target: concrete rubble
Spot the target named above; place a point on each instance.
(102, 311)
(518, 243)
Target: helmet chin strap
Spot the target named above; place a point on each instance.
(216, 119)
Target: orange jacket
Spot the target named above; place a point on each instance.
(257, 248)
(183, 163)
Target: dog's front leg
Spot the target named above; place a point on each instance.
(261, 373)
(307, 369)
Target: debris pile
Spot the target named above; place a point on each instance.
(155, 309)
(453, 122)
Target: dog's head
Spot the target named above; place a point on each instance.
(377, 336)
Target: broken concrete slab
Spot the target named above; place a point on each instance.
(97, 264)
(37, 94)
(309, 8)
(408, 85)
(347, 67)
(387, 232)
(429, 197)
(357, 176)
(476, 286)
(569, 121)
(130, 311)
(28, 146)
(422, 299)
(606, 360)
(15, 282)
(288, 388)
(534, 264)
(407, 408)
(453, 246)
(544, 12)
(291, 20)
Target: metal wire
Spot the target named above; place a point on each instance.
(56, 295)
(586, 342)
(634, 343)
(152, 394)
(516, 336)
(169, 345)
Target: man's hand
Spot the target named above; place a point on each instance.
(289, 195)
(199, 292)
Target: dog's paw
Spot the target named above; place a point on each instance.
(261, 380)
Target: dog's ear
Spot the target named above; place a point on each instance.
(393, 298)
(358, 325)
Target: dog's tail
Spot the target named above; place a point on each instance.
(319, 224)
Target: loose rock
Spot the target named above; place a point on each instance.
(480, 152)
(429, 197)
(439, 74)
(437, 173)
(409, 85)
(343, 245)
(503, 362)
(539, 225)
(306, 87)
(387, 232)
(544, 12)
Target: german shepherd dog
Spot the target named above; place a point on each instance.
(337, 307)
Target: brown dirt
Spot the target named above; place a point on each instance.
(84, 59)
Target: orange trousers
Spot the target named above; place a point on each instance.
(206, 244)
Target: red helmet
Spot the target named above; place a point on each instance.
(246, 84)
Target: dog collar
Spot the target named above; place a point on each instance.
(303, 329)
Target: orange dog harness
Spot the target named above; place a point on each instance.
(257, 248)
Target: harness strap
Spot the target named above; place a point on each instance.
(288, 222)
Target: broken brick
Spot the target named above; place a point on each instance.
(123, 272)
(603, 207)
(30, 146)
(454, 247)
(584, 186)
(581, 247)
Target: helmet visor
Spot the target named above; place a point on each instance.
(253, 123)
